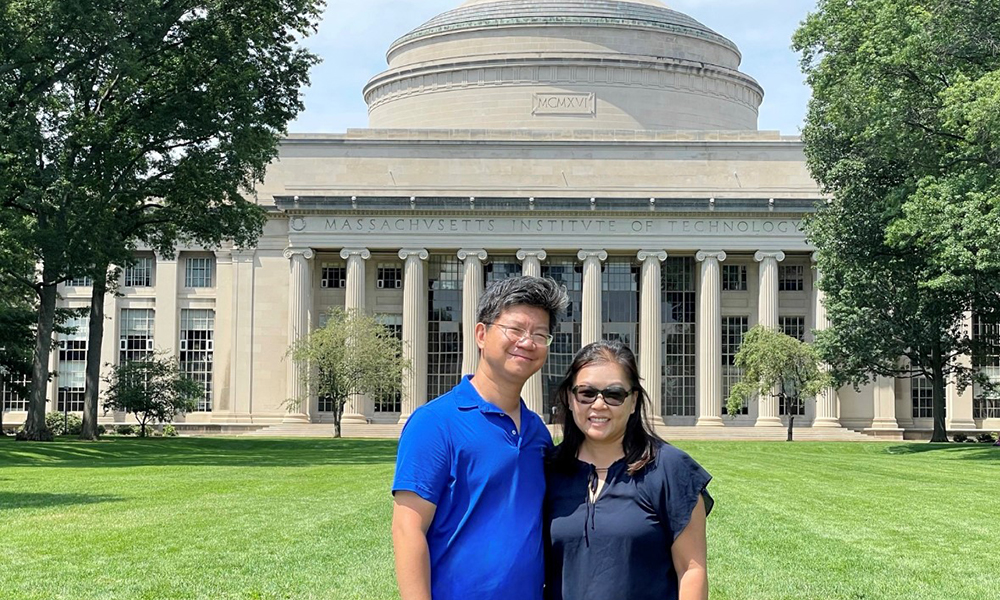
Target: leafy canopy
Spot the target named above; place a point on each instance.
(152, 388)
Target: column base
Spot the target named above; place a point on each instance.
(403, 418)
(830, 422)
(296, 418)
(354, 418)
(768, 422)
(960, 425)
(884, 433)
(884, 424)
(709, 422)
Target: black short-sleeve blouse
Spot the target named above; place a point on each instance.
(619, 546)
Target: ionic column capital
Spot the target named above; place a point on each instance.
(704, 255)
(467, 253)
(420, 253)
(306, 253)
(601, 255)
(658, 255)
(526, 253)
(346, 253)
(761, 255)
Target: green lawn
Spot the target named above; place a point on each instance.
(252, 518)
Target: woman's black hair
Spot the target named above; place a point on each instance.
(639, 442)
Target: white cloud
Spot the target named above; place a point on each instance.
(355, 35)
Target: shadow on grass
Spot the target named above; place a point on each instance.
(984, 452)
(13, 500)
(241, 452)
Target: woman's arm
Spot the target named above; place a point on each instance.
(690, 556)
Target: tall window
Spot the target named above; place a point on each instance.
(197, 350)
(390, 402)
(567, 272)
(734, 278)
(793, 327)
(791, 278)
(333, 275)
(136, 338)
(677, 306)
(72, 365)
(620, 302)
(199, 272)
(984, 404)
(922, 397)
(444, 324)
(14, 393)
(733, 329)
(139, 274)
(501, 267)
(389, 276)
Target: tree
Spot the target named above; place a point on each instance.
(353, 354)
(152, 388)
(903, 133)
(143, 123)
(776, 364)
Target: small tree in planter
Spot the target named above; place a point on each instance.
(353, 354)
(775, 363)
(152, 388)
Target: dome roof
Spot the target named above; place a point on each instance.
(563, 64)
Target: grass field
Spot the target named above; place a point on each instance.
(242, 518)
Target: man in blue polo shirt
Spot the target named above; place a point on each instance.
(467, 510)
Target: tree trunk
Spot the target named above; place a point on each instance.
(338, 410)
(34, 425)
(94, 342)
(791, 421)
(940, 433)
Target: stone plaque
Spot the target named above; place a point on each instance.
(575, 105)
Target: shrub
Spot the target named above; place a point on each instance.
(59, 424)
(985, 438)
(101, 430)
(169, 430)
(958, 438)
(125, 430)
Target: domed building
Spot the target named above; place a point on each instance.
(609, 145)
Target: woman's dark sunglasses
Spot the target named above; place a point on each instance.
(613, 396)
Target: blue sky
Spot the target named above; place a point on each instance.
(355, 34)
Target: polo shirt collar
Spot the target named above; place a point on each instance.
(468, 398)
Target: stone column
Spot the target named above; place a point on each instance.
(299, 309)
(651, 330)
(958, 405)
(243, 334)
(222, 407)
(165, 331)
(357, 404)
(472, 290)
(590, 326)
(710, 339)
(767, 316)
(884, 406)
(414, 330)
(827, 401)
(531, 264)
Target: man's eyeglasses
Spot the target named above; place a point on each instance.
(518, 335)
(613, 396)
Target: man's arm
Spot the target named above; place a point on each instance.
(411, 517)
(690, 556)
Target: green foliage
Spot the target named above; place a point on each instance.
(986, 437)
(125, 429)
(352, 354)
(151, 388)
(60, 424)
(772, 360)
(902, 132)
(169, 430)
(959, 438)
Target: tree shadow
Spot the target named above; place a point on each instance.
(15, 500)
(241, 452)
(982, 452)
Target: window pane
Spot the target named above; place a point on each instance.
(198, 272)
(197, 350)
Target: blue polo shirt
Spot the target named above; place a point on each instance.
(465, 456)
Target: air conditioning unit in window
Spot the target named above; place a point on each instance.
(380, 284)
(324, 283)
(149, 343)
(209, 345)
(123, 344)
(343, 283)
(399, 283)
(184, 345)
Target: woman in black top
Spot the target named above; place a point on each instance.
(624, 511)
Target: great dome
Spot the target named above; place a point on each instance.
(563, 64)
